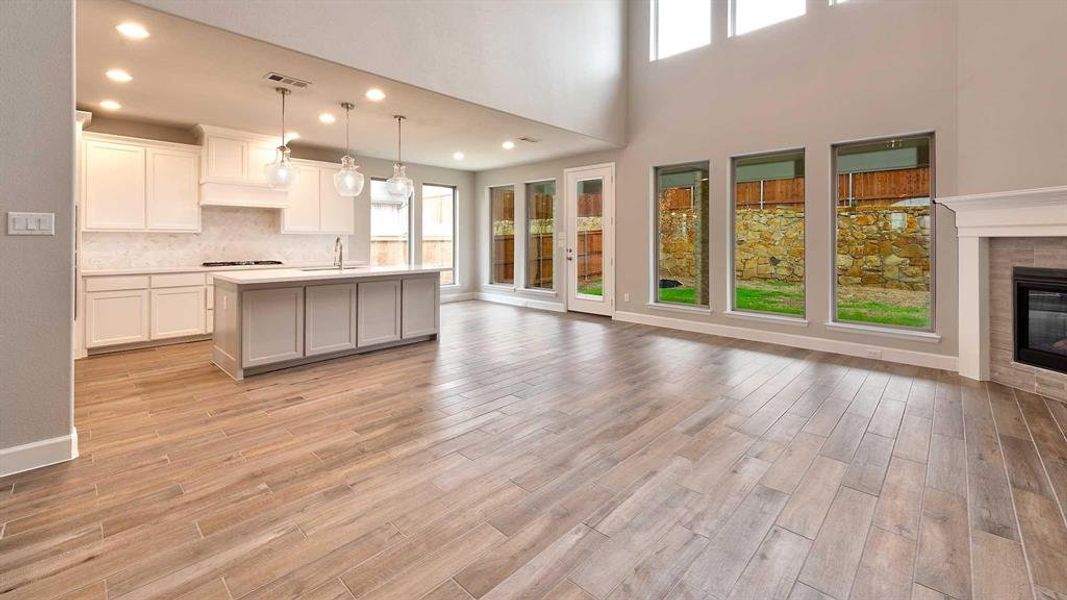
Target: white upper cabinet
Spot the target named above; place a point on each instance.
(225, 159)
(113, 187)
(337, 213)
(302, 214)
(138, 185)
(172, 201)
(260, 154)
(314, 204)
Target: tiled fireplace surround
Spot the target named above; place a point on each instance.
(997, 232)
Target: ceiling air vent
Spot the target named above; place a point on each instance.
(286, 80)
(529, 140)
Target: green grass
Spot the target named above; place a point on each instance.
(772, 297)
(678, 295)
(883, 314)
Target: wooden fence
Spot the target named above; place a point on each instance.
(539, 269)
(878, 188)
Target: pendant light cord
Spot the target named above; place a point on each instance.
(348, 143)
(283, 117)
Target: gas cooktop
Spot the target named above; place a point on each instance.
(240, 263)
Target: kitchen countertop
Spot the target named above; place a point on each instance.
(202, 269)
(289, 275)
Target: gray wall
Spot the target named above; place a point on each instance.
(36, 174)
(1012, 95)
(560, 63)
(840, 73)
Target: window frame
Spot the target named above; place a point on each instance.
(731, 236)
(410, 221)
(455, 228)
(489, 234)
(906, 330)
(653, 282)
(653, 32)
(526, 235)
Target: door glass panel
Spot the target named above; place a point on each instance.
(588, 253)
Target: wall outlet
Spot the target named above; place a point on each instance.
(874, 353)
(25, 223)
(626, 297)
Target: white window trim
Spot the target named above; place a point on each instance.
(488, 235)
(526, 237)
(455, 232)
(653, 251)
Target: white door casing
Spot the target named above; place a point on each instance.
(576, 260)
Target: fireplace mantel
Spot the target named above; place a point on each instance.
(1040, 212)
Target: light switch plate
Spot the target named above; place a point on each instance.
(26, 223)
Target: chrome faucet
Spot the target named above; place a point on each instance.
(339, 253)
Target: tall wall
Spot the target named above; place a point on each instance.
(560, 63)
(1012, 95)
(847, 72)
(36, 174)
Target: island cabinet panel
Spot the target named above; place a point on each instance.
(419, 315)
(177, 312)
(331, 318)
(272, 325)
(379, 312)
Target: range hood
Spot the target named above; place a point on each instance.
(232, 168)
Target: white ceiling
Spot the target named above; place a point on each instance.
(186, 73)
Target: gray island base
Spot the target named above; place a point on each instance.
(278, 318)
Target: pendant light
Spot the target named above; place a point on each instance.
(282, 173)
(399, 187)
(348, 181)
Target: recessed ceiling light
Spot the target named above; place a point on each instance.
(119, 75)
(110, 105)
(134, 31)
(291, 135)
(508, 145)
(327, 118)
(457, 155)
(376, 95)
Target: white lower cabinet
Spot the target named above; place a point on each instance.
(379, 312)
(330, 324)
(419, 316)
(272, 326)
(116, 317)
(178, 312)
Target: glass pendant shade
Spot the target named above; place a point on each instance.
(399, 186)
(348, 181)
(282, 173)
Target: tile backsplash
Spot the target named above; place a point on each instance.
(226, 234)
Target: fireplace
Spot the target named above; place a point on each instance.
(1041, 317)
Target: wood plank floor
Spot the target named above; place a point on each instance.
(534, 455)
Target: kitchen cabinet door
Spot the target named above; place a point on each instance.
(177, 312)
(419, 316)
(272, 326)
(379, 312)
(260, 154)
(337, 213)
(113, 186)
(302, 213)
(225, 159)
(331, 318)
(116, 317)
(172, 202)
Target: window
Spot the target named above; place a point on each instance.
(540, 236)
(750, 15)
(768, 250)
(681, 269)
(388, 227)
(439, 230)
(678, 26)
(588, 255)
(884, 232)
(502, 208)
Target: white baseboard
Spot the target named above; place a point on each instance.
(447, 297)
(520, 301)
(908, 357)
(41, 453)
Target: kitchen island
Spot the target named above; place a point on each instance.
(277, 318)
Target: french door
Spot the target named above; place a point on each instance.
(590, 250)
